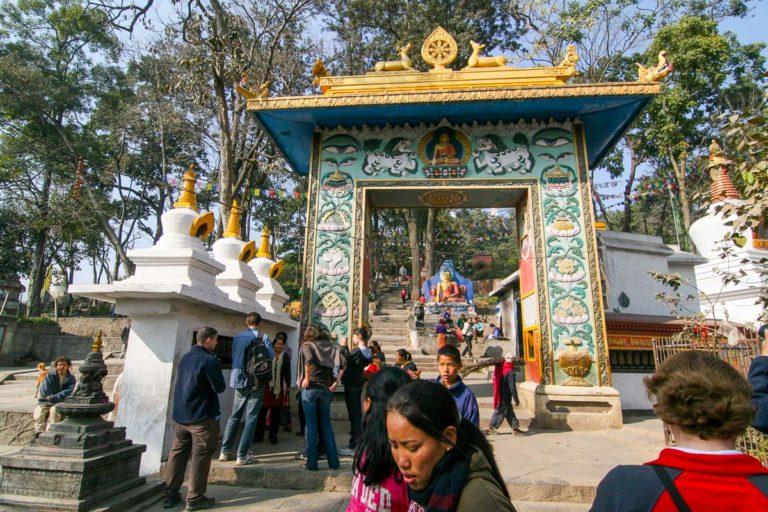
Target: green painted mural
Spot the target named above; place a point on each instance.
(478, 153)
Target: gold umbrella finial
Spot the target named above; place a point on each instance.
(187, 197)
(233, 225)
(264, 246)
(96, 346)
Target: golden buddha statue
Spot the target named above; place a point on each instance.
(447, 290)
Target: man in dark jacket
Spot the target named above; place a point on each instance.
(354, 380)
(56, 387)
(196, 413)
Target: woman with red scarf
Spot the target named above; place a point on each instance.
(504, 391)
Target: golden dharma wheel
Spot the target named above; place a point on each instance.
(439, 49)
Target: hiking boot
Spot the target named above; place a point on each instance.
(172, 499)
(250, 459)
(201, 504)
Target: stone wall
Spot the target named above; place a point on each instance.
(82, 326)
(19, 339)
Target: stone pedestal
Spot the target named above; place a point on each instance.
(77, 465)
(571, 407)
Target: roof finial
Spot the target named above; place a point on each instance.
(722, 187)
(187, 197)
(233, 225)
(264, 246)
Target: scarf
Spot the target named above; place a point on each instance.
(500, 371)
(277, 376)
(444, 489)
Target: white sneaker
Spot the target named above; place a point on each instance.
(250, 459)
(346, 452)
(224, 457)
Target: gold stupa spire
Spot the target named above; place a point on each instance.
(96, 346)
(187, 197)
(233, 226)
(264, 246)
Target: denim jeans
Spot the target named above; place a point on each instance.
(247, 400)
(317, 409)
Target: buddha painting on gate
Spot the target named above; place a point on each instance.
(447, 286)
(444, 146)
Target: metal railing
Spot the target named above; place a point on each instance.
(739, 356)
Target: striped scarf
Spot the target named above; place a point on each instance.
(444, 489)
(277, 380)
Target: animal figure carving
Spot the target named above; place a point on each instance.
(477, 61)
(403, 64)
(489, 159)
(655, 74)
(396, 159)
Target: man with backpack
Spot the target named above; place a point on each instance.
(251, 369)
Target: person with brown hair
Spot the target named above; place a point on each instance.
(706, 404)
(318, 361)
(55, 388)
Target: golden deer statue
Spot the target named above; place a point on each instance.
(476, 61)
(403, 64)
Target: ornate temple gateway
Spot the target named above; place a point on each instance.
(484, 136)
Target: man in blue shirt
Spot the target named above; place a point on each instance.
(196, 413)
(248, 398)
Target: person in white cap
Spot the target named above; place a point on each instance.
(505, 390)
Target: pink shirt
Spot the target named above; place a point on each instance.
(389, 496)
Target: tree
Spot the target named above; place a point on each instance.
(224, 44)
(47, 84)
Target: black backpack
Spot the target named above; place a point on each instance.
(258, 363)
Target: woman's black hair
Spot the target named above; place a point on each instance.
(430, 407)
(282, 335)
(373, 456)
(404, 354)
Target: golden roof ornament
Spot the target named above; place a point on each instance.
(655, 74)
(233, 224)
(571, 57)
(318, 71)
(716, 157)
(264, 246)
(722, 187)
(187, 197)
(439, 49)
(96, 345)
(477, 61)
(404, 64)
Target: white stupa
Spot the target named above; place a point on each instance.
(271, 296)
(238, 280)
(711, 235)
